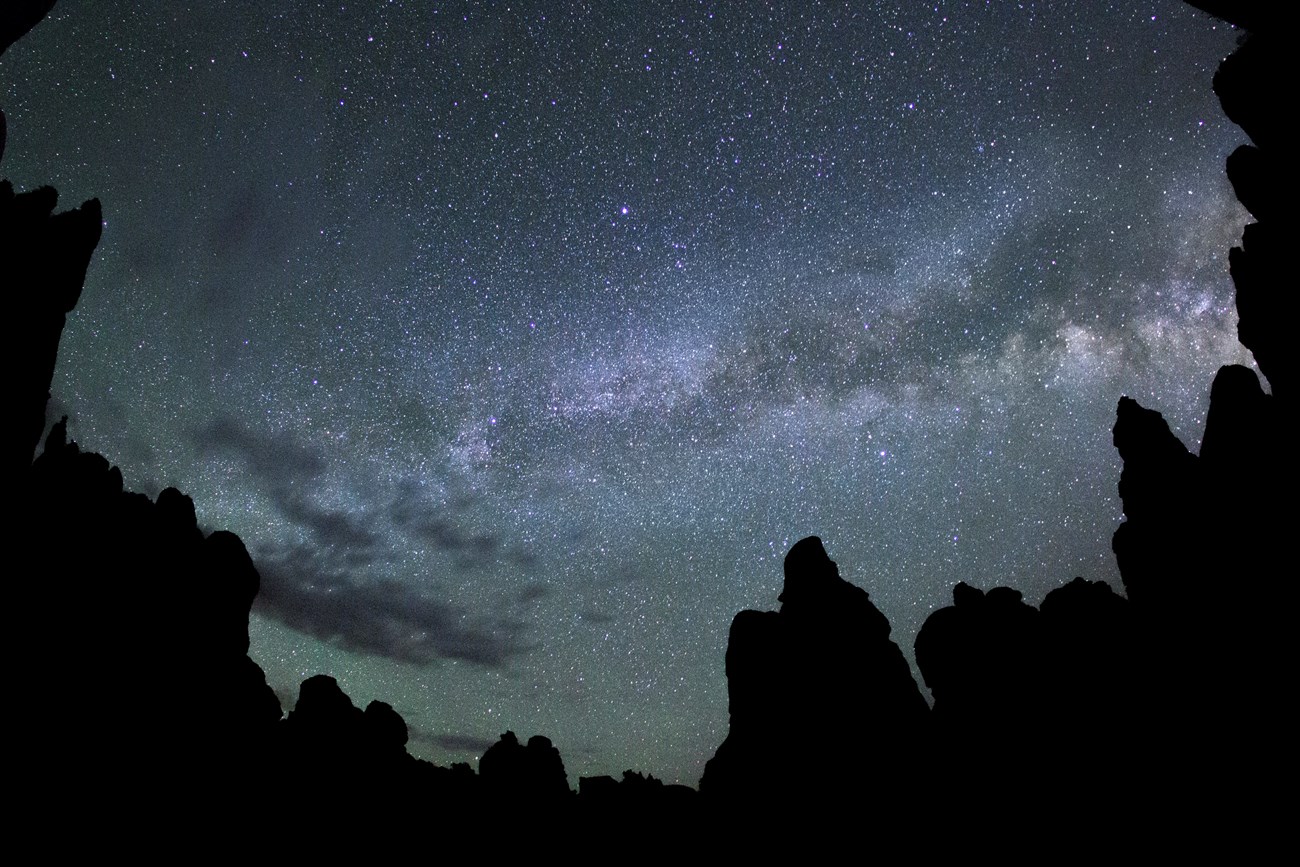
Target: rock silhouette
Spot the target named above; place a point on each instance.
(1032, 707)
(165, 609)
(518, 775)
(982, 660)
(823, 662)
(1263, 177)
(19, 17)
(326, 743)
(1201, 547)
(45, 257)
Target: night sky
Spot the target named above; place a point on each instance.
(519, 342)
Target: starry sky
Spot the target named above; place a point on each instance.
(519, 341)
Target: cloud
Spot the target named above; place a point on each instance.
(281, 464)
(444, 535)
(278, 460)
(531, 593)
(301, 589)
(330, 526)
(454, 743)
(415, 516)
(287, 470)
(338, 585)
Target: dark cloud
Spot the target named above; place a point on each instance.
(427, 522)
(281, 464)
(445, 536)
(247, 229)
(305, 591)
(452, 742)
(532, 593)
(523, 558)
(276, 459)
(330, 526)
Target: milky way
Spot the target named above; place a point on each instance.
(519, 343)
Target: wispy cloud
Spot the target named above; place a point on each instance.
(337, 585)
(384, 617)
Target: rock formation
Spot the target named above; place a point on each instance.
(43, 257)
(1263, 174)
(135, 623)
(1203, 550)
(529, 776)
(822, 701)
(150, 613)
